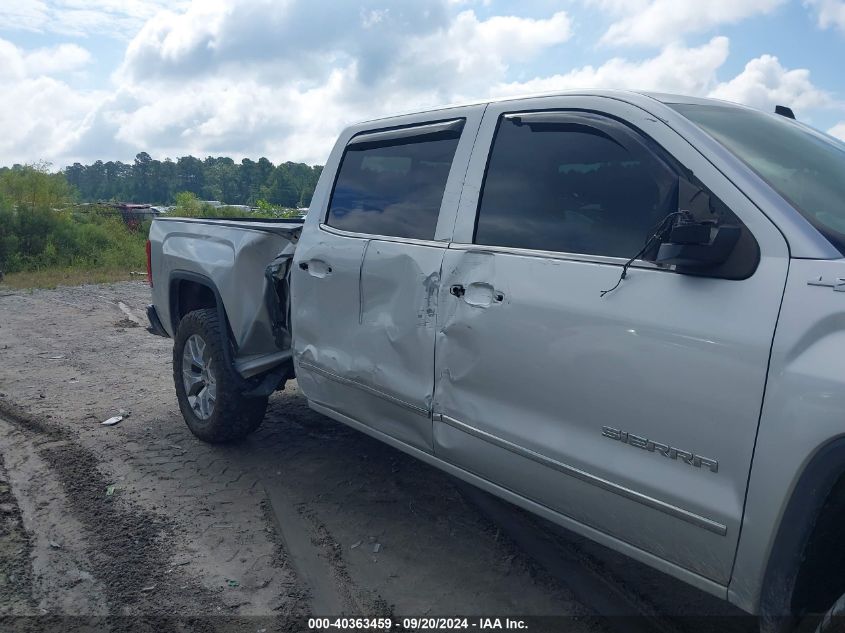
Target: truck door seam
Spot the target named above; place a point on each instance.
(361, 282)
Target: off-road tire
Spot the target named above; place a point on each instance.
(233, 416)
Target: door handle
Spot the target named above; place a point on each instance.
(316, 268)
(478, 294)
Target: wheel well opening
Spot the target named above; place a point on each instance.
(189, 296)
(820, 580)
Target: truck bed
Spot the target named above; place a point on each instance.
(237, 264)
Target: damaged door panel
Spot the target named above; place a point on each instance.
(326, 319)
(382, 369)
(395, 344)
(366, 279)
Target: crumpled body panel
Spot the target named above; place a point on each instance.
(364, 324)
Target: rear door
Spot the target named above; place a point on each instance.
(632, 415)
(367, 271)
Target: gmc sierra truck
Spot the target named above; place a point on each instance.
(624, 312)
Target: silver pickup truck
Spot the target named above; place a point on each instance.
(623, 312)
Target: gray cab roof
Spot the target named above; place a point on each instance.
(667, 97)
(632, 96)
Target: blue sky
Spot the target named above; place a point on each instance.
(104, 79)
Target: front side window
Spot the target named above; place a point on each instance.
(394, 186)
(572, 182)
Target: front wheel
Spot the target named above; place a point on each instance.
(207, 388)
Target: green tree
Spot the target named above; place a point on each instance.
(141, 176)
(35, 187)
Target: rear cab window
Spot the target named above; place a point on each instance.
(391, 182)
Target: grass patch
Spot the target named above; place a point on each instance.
(53, 277)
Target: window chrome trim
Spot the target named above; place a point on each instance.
(381, 238)
(359, 385)
(656, 504)
(575, 257)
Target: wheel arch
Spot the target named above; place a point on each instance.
(805, 545)
(188, 291)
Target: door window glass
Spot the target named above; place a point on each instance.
(575, 183)
(393, 188)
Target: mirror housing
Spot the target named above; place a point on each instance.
(693, 243)
(697, 246)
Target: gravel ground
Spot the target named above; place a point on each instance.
(142, 524)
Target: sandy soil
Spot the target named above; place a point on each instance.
(141, 523)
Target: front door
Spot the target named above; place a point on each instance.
(633, 414)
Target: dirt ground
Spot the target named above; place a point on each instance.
(142, 524)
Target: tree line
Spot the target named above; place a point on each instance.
(154, 181)
(42, 226)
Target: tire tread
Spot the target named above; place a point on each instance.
(235, 416)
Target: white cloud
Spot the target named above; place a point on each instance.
(243, 81)
(55, 60)
(675, 69)
(15, 63)
(656, 22)
(838, 130)
(117, 18)
(28, 15)
(463, 61)
(280, 78)
(765, 83)
(40, 115)
(829, 13)
(295, 38)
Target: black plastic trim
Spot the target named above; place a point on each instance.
(369, 139)
(227, 342)
(155, 322)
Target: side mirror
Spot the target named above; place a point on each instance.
(697, 246)
(693, 243)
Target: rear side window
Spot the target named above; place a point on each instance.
(572, 182)
(392, 183)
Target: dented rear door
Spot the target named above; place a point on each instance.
(366, 275)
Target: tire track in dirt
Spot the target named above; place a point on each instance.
(15, 552)
(318, 560)
(118, 552)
